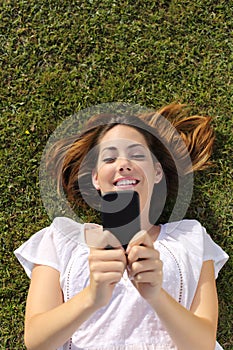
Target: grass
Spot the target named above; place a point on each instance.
(59, 57)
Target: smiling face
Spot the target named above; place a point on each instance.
(126, 163)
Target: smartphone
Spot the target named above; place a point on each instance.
(120, 212)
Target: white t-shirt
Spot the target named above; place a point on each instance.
(127, 322)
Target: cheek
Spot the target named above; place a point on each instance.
(105, 172)
(148, 172)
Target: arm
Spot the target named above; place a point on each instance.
(49, 322)
(193, 329)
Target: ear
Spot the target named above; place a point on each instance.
(95, 181)
(158, 172)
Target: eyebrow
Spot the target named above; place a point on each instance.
(112, 148)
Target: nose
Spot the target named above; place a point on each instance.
(124, 164)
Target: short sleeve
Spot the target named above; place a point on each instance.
(39, 249)
(213, 251)
(51, 246)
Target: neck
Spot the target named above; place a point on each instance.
(153, 230)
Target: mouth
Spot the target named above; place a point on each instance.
(122, 183)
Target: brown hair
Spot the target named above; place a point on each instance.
(169, 133)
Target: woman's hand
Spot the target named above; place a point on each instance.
(145, 269)
(106, 269)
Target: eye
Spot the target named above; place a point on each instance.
(109, 159)
(138, 156)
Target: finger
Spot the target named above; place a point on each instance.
(145, 266)
(140, 252)
(97, 238)
(110, 266)
(106, 256)
(108, 277)
(141, 238)
(148, 277)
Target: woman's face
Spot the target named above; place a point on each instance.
(126, 163)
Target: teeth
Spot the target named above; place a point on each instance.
(126, 182)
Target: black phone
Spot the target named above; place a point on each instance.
(120, 211)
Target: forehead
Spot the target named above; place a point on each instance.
(122, 134)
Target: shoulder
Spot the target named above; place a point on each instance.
(67, 230)
(193, 239)
(183, 226)
(188, 232)
(63, 233)
(67, 236)
(51, 246)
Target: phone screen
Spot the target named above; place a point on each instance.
(120, 211)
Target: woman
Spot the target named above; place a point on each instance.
(158, 294)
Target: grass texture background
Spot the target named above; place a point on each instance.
(59, 57)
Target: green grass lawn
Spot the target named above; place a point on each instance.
(59, 57)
